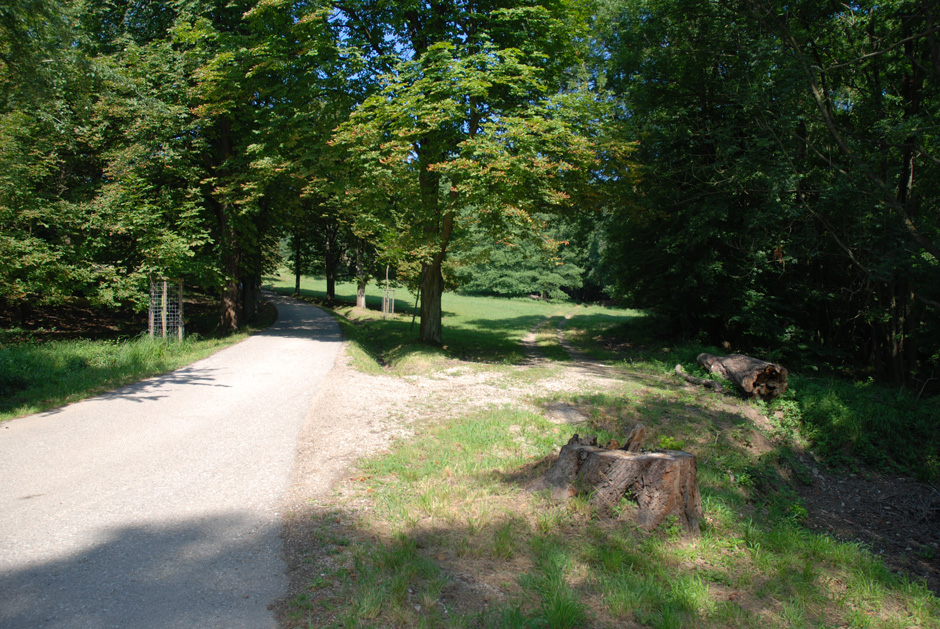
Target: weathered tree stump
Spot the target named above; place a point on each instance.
(752, 377)
(662, 483)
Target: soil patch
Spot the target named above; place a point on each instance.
(896, 517)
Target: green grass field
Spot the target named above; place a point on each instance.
(452, 503)
(486, 330)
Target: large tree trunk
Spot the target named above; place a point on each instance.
(656, 485)
(432, 289)
(752, 377)
(360, 294)
(231, 315)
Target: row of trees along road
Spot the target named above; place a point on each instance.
(764, 174)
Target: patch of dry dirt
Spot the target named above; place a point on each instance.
(896, 517)
(357, 415)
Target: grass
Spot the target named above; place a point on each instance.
(481, 330)
(447, 535)
(888, 429)
(455, 499)
(38, 376)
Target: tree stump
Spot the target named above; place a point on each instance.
(662, 483)
(752, 377)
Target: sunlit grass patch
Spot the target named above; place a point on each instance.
(459, 493)
(478, 329)
(37, 377)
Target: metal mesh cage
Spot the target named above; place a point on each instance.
(388, 302)
(166, 308)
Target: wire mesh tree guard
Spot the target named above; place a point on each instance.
(166, 308)
(388, 298)
(388, 302)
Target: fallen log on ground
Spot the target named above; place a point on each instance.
(656, 484)
(753, 377)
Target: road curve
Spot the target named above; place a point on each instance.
(155, 506)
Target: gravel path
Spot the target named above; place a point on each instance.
(157, 505)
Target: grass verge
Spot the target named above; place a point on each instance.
(38, 376)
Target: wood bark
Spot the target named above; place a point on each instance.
(430, 329)
(752, 377)
(656, 484)
(360, 294)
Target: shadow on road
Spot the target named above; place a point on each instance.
(208, 572)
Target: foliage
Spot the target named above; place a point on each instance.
(469, 131)
(547, 269)
(778, 207)
(780, 198)
(885, 429)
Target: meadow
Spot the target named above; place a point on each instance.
(440, 531)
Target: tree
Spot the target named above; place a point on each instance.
(92, 199)
(468, 129)
(776, 207)
(547, 268)
(871, 75)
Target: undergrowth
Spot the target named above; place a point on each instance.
(846, 423)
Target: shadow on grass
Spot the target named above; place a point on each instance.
(36, 374)
(568, 570)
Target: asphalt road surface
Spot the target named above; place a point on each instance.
(156, 505)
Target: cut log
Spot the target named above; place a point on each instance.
(752, 377)
(661, 483)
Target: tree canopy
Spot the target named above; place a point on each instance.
(755, 173)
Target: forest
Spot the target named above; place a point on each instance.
(756, 174)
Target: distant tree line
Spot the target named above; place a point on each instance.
(759, 174)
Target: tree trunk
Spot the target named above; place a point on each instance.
(296, 267)
(656, 485)
(252, 296)
(231, 315)
(360, 294)
(362, 278)
(752, 377)
(432, 289)
(331, 256)
(331, 284)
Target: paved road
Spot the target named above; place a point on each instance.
(156, 505)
